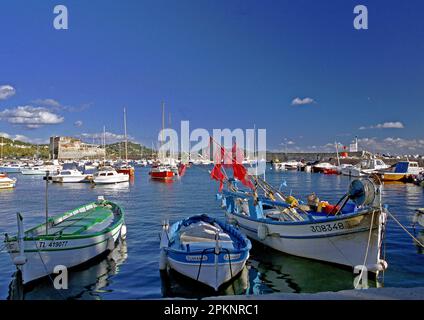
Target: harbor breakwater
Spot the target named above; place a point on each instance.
(353, 157)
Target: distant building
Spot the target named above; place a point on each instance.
(68, 148)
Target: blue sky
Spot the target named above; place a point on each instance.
(219, 64)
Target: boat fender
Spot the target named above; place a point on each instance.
(123, 233)
(262, 231)
(19, 260)
(380, 266)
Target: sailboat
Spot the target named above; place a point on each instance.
(125, 167)
(163, 169)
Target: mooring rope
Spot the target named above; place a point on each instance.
(404, 229)
(366, 251)
(47, 271)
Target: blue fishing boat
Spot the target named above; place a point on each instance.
(204, 249)
(349, 233)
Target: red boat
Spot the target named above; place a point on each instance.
(330, 171)
(161, 173)
(125, 169)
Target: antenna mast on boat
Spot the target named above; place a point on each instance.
(126, 139)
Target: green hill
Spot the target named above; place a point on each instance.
(18, 149)
(135, 151)
(15, 149)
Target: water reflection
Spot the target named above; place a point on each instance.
(86, 282)
(279, 272)
(174, 285)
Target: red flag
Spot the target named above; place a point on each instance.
(182, 169)
(217, 174)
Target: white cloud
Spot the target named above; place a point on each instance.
(301, 102)
(48, 103)
(385, 125)
(6, 91)
(110, 137)
(30, 117)
(78, 123)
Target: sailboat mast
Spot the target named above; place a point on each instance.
(104, 143)
(2, 139)
(126, 139)
(163, 126)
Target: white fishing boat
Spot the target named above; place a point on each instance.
(349, 233)
(11, 168)
(70, 176)
(6, 182)
(204, 249)
(364, 168)
(70, 239)
(108, 175)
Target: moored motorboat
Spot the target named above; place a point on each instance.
(6, 182)
(126, 169)
(70, 176)
(162, 172)
(404, 171)
(11, 168)
(108, 175)
(70, 239)
(204, 249)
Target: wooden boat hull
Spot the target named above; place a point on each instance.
(395, 176)
(42, 254)
(340, 240)
(211, 263)
(210, 275)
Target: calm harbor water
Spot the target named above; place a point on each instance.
(131, 270)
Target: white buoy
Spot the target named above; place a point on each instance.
(123, 233)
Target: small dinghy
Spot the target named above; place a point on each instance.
(204, 249)
(70, 239)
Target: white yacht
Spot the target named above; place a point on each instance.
(6, 182)
(70, 176)
(108, 175)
